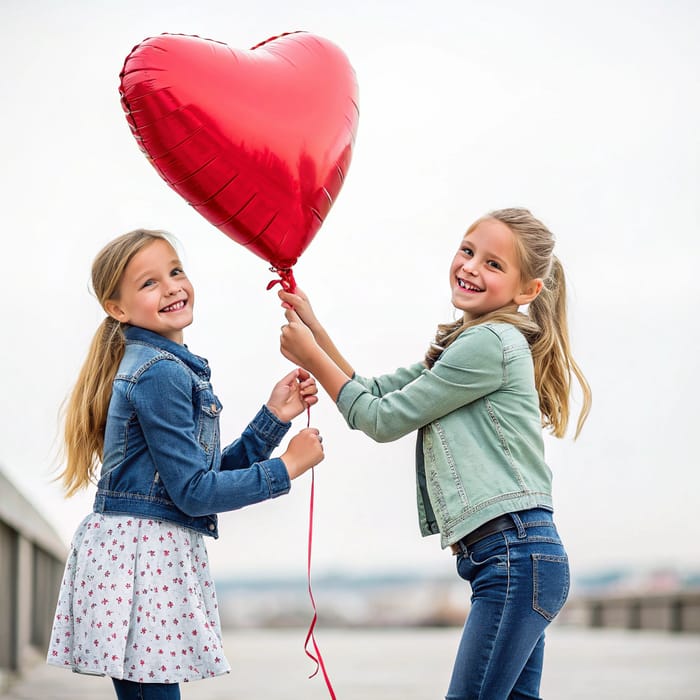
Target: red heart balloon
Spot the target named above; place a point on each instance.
(258, 141)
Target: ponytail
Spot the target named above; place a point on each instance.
(86, 413)
(552, 357)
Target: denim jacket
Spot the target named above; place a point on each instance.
(162, 457)
(480, 452)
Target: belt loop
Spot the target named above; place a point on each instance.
(519, 525)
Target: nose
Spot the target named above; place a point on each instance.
(174, 287)
(469, 267)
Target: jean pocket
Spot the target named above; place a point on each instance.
(550, 584)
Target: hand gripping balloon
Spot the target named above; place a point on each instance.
(258, 141)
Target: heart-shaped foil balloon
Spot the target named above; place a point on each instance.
(258, 140)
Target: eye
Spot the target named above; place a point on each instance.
(148, 283)
(467, 250)
(177, 271)
(495, 265)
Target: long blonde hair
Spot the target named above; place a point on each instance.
(544, 325)
(86, 411)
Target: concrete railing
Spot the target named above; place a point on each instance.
(677, 611)
(32, 558)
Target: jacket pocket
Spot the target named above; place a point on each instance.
(208, 428)
(550, 584)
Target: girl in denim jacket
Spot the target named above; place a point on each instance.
(137, 601)
(487, 386)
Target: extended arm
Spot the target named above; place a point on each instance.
(471, 368)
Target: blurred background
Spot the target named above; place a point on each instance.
(586, 113)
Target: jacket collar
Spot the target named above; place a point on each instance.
(134, 334)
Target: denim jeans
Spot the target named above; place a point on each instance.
(128, 690)
(520, 581)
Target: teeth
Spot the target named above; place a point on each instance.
(466, 285)
(175, 307)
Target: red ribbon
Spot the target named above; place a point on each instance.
(286, 279)
(289, 284)
(310, 634)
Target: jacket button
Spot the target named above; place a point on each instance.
(212, 526)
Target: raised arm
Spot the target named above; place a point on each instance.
(299, 301)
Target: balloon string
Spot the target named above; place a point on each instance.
(318, 659)
(289, 284)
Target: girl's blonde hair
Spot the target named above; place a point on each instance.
(544, 325)
(86, 411)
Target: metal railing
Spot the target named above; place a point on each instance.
(32, 558)
(672, 611)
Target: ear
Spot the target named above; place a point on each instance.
(529, 292)
(116, 311)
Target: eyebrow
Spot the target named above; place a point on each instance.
(175, 262)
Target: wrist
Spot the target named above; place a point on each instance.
(274, 411)
(277, 416)
(290, 466)
(316, 358)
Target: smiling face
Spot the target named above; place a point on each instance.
(485, 273)
(154, 292)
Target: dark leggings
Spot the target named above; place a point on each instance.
(128, 690)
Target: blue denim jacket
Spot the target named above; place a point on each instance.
(162, 456)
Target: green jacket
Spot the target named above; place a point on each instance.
(480, 452)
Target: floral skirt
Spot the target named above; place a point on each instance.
(137, 602)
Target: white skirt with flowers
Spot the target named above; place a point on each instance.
(137, 602)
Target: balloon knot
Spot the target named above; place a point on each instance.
(286, 279)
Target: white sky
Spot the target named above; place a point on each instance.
(587, 113)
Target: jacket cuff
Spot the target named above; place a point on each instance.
(277, 476)
(269, 427)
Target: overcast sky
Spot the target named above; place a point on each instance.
(585, 112)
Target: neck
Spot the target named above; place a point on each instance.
(508, 309)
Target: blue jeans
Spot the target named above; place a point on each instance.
(128, 690)
(520, 581)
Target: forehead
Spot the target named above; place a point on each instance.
(493, 235)
(153, 255)
(157, 251)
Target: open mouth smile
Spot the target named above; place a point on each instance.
(468, 286)
(177, 306)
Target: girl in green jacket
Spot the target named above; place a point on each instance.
(488, 385)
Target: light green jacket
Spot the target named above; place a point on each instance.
(480, 452)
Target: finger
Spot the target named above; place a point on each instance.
(288, 298)
(303, 375)
(290, 378)
(291, 315)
